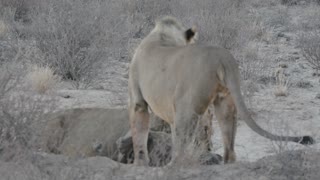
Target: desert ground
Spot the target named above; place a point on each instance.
(67, 54)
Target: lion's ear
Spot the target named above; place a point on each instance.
(190, 34)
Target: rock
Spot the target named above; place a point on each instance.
(66, 96)
(210, 159)
(318, 96)
(283, 65)
(281, 34)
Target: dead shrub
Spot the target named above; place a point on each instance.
(304, 84)
(72, 36)
(310, 48)
(19, 114)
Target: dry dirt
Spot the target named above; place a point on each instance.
(258, 158)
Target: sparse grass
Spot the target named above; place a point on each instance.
(263, 3)
(282, 127)
(220, 25)
(298, 2)
(309, 19)
(42, 79)
(279, 18)
(250, 64)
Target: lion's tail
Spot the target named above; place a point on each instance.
(232, 82)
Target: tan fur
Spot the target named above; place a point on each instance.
(178, 81)
(84, 132)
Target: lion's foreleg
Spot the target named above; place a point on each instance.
(226, 114)
(139, 121)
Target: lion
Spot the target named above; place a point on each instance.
(178, 81)
(85, 132)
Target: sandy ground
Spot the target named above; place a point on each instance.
(281, 115)
(296, 114)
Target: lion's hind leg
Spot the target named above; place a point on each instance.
(139, 121)
(226, 114)
(183, 134)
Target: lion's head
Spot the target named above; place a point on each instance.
(172, 33)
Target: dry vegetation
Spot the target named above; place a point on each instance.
(282, 83)
(42, 79)
(19, 113)
(77, 39)
(310, 48)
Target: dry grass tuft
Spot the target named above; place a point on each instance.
(282, 83)
(3, 28)
(42, 79)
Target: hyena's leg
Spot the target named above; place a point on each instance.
(139, 122)
(226, 114)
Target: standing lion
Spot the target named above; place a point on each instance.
(178, 81)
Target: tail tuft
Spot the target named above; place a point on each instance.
(306, 140)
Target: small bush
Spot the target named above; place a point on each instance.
(304, 84)
(72, 36)
(20, 114)
(252, 66)
(42, 79)
(310, 48)
(8, 79)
